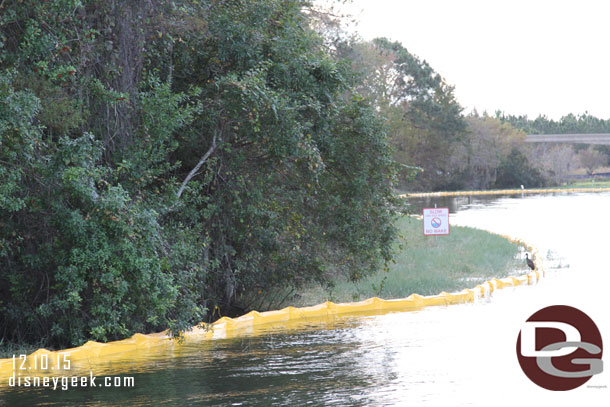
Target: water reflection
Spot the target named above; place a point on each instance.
(459, 356)
(460, 203)
(454, 203)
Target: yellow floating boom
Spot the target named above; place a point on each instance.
(502, 192)
(140, 349)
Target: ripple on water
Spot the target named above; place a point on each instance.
(463, 355)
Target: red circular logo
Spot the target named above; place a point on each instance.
(560, 348)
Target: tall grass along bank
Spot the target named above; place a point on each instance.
(427, 265)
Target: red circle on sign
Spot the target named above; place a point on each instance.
(436, 222)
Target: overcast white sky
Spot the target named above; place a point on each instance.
(519, 56)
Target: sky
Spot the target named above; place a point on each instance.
(532, 57)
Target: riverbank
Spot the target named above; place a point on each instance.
(465, 243)
(590, 183)
(427, 265)
(577, 186)
(423, 264)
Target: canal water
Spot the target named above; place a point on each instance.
(462, 355)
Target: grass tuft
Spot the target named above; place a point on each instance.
(427, 265)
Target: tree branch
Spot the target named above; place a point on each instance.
(197, 167)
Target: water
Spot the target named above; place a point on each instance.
(460, 355)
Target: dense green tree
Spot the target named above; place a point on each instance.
(160, 159)
(515, 170)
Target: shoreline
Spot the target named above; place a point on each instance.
(93, 355)
(501, 192)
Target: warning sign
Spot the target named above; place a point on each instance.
(436, 221)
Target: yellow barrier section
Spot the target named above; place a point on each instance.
(139, 350)
(502, 192)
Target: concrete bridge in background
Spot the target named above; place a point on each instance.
(592, 138)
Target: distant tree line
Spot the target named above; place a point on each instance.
(569, 124)
(558, 159)
(441, 148)
(438, 147)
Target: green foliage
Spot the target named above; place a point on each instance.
(483, 154)
(584, 123)
(426, 266)
(569, 124)
(80, 259)
(110, 108)
(424, 119)
(515, 170)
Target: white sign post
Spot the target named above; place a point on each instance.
(436, 221)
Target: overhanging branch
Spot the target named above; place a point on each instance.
(197, 167)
